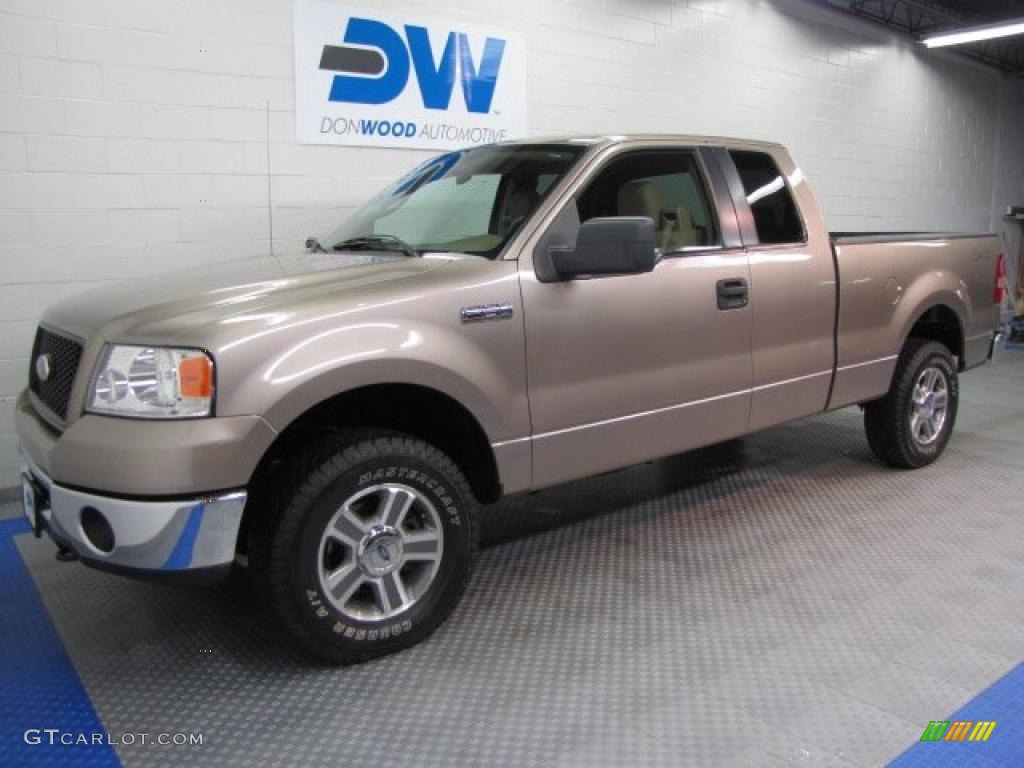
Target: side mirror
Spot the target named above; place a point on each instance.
(620, 245)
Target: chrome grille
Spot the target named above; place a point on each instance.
(63, 354)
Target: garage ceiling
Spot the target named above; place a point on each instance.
(919, 18)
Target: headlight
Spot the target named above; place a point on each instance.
(153, 383)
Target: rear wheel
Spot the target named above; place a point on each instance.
(911, 426)
(373, 547)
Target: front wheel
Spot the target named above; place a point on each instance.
(373, 548)
(912, 424)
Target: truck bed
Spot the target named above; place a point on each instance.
(883, 277)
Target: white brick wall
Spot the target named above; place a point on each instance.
(114, 125)
(1008, 186)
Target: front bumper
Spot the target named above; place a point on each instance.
(158, 538)
(145, 457)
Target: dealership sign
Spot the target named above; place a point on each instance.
(373, 79)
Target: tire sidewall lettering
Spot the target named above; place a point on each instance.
(320, 610)
(442, 496)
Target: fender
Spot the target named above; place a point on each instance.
(911, 312)
(336, 381)
(420, 341)
(878, 312)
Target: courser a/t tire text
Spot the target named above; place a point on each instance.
(373, 547)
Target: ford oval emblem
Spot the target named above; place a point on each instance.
(43, 367)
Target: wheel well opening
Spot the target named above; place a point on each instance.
(418, 411)
(941, 324)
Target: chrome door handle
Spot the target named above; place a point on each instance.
(483, 312)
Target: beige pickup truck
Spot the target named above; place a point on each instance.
(502, 319)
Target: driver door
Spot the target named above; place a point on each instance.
(627, 368)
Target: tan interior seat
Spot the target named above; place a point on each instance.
(680, 231)
(641, 198)
(521, 201)
(675, 227)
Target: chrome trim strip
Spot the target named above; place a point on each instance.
(677, 406)
(850, 367)
(513, 441)
(642, 414)
(794, 380)
(997, 348)
(902, 237)
(655, 411)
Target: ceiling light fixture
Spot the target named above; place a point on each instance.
(974, 34)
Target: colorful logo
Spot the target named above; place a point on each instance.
(364, 77)
(374, 66)
(958, 730)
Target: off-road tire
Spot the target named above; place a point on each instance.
(312, 487)
(887, 420)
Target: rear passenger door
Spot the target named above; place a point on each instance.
(631, 367)
(792, 285)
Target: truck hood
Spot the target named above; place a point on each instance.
(170, 305)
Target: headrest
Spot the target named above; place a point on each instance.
(520, 202)
(641, 198)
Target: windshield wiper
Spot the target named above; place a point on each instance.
(314, 245)
(372, 242)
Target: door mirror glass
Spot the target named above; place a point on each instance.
(618, 245)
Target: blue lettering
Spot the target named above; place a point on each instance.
(374, 90)
(479, 88)
(436, 82)
(436, 78)
(397, 128)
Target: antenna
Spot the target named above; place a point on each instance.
(270, 209)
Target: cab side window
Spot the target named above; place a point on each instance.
(775, 213)
(666, 186)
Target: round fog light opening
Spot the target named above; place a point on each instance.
(97, 529)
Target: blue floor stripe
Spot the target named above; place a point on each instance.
(1002, 702)
(39, 687)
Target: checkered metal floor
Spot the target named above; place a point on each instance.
(780, 600)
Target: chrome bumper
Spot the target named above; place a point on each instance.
(998, 347)
(162, 537)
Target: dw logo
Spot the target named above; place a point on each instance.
(368, 78)
(375, 61)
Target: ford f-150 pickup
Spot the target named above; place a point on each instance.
(502, 319)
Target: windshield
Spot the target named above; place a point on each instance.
(471, 201)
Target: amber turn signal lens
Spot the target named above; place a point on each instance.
(196, 377)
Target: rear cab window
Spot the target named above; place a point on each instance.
(776, 217)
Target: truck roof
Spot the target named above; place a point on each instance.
(608, 139)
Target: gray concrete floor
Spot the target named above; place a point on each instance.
(780, 600)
